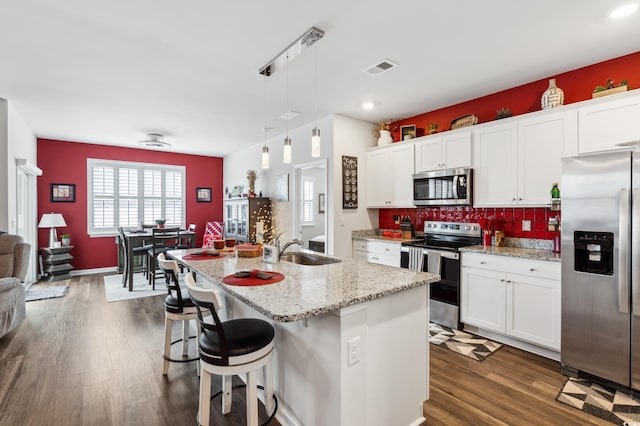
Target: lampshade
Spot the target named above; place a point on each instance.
(51, 220)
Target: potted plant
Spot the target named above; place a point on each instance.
(503, 113)
(433, 128)
(65, 239)
(160, 223)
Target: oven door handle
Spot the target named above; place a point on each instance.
(444, 254)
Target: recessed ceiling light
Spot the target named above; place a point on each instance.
(367, 105)
(623, 11)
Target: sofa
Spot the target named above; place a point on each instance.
(14, 262)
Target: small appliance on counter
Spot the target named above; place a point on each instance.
(270, 254)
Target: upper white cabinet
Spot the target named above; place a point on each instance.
(495, 158)
(443, 152)
(389, 177)
(515, 163)
(542, 142)
(609, 121)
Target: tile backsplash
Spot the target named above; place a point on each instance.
(508, 218)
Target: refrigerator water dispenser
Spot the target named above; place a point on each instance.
(593, 252)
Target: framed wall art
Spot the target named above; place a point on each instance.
(203, 195)
(282, 187)
(63, 192)
(322, 203)
(407, 132)
(349, 182)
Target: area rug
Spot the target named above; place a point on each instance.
(45, 293)
(600, 401)
(141, 288)
(466, 344)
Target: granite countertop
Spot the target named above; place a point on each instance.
(308, 291)
(518, 252)
(381, 238)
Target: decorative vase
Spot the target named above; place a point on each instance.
(385, 138)
(251, 177)
(65, 241)
(552, 97)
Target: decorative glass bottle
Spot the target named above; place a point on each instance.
(552, 97)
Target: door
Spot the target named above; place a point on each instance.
(429, 155)
(482, 299)
(635, 276)
(400, 184)
(377, 178)
(595, 306)
(496, 166)
(456, 150)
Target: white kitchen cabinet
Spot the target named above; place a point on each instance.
(389, 177)
(608, 121)
(519, 298)
(384, 253)
(443, 152)
(516, 163)
(542, 142)
(495, 159)
(483, 299)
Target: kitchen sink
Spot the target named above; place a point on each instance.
(307, 259)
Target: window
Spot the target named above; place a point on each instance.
(308, 190)
(122, 193)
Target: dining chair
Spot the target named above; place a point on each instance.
(188, 240)
(140, 252)
(228, 348)
(162, 240)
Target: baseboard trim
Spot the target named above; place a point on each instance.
(94, 271)
(525, 346)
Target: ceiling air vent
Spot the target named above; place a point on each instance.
(379, 68)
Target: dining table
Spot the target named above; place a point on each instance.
(137, 238)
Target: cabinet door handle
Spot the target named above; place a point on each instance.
(482, 262)
(519, 199)
(508, 281)
(532, 269)
(501, 280)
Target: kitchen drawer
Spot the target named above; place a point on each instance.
(382, 247)
(510, 265)
(361, 245)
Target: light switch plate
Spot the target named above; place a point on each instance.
(526, 225)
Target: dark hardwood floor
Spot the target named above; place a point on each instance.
(79, 360)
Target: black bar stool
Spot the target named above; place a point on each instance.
(238, 346)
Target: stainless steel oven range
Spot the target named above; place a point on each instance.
(440, 254)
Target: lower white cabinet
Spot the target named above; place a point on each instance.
(385, 253)
(516, 297)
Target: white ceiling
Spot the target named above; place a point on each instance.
(108, 72)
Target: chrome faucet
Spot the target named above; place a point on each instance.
(287, 245)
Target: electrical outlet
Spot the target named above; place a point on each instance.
(353, 348)
(526, 225)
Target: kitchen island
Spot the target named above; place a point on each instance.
(351, 337)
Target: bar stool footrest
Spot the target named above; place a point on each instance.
(275, 400)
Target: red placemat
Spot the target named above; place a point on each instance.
(250, 281)
(194, 256)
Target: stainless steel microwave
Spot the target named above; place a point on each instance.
(449, 187)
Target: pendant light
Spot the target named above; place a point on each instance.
(315, 132)
(287, 142)
(265, 148)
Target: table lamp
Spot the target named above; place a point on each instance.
(52, 220)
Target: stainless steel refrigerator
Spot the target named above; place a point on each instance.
(601, 266)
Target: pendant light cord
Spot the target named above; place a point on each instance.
(316, 95)
(264, 130)
(287, 94)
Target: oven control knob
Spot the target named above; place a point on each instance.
(467, 228)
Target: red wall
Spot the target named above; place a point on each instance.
(66, 162)
(577, 86)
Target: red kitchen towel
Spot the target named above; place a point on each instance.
(200, 256)
(251, 281)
